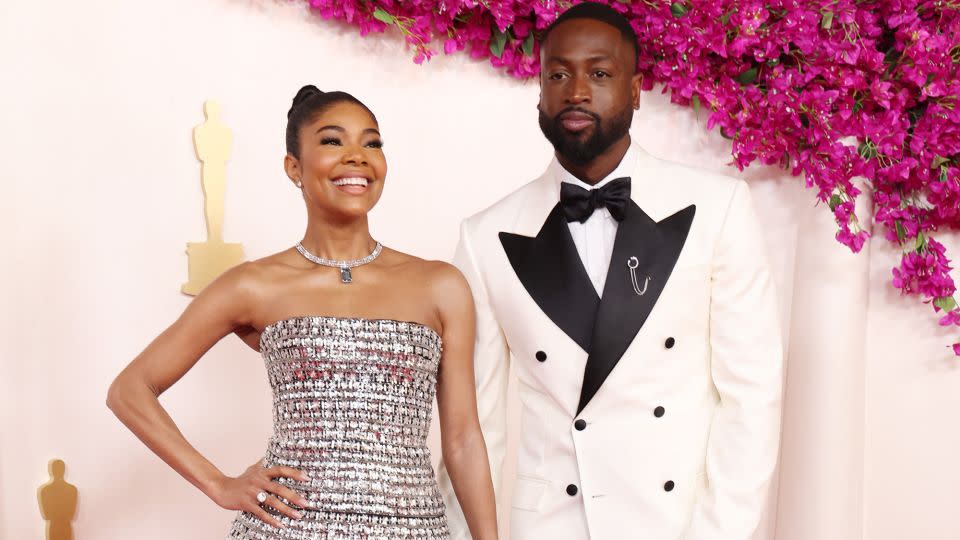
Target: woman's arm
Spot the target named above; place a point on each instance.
(225, 305)
(464, 451)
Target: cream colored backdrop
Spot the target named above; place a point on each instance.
(101, 191)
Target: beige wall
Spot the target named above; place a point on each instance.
(100, 193)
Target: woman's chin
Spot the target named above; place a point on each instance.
(354, 210)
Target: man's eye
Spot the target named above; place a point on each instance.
(557, 76)
(600, 74)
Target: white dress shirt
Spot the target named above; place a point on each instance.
(594, 237)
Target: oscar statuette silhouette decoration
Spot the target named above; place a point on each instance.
(58, 503)
(207, 260)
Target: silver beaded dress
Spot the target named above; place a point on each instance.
(352, 401)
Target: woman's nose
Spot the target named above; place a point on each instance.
(354, 156)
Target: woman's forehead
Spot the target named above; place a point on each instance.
(345, 114)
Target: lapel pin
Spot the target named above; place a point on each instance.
(632, 264)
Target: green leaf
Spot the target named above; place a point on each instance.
(901, 232)
(725, 18)
(867, 151)
(835, 201)
(381, 15)
(891, 56)
(748, 76)
(938, 161)
(943, 173)
(946, 303)
(678, 9)
(826, 20)
(695, 101)
(528, 45)
(497, 43)
(921, 242)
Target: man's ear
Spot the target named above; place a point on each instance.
(636, 84)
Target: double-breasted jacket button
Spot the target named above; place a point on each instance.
(580, 424)
(668, 486)
(572, 490)
(541, 356)
(658, 412)
(670, 343)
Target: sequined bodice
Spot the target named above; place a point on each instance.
(352, 402)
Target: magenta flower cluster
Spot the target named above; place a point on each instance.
(846, 93)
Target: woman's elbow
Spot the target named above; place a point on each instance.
(115, 395)
(460, 443)
(119, 394)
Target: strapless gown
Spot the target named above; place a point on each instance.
(352, 401)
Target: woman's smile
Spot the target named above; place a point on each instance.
(354, 185)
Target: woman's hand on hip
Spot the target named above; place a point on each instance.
(256, 490)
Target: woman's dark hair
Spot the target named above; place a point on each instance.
(307, 104)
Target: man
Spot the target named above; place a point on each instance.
(638, 308)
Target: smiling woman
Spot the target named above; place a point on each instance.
(354, 363)
(321, 152)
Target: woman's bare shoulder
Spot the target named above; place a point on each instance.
(430, 272)
(257, 275)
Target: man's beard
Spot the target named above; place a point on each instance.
(579, 151)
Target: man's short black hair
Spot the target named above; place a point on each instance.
(598, 12)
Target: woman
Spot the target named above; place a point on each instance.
(357, 339)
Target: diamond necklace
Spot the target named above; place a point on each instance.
(346, 276)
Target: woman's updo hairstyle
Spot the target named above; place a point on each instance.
(307, 104)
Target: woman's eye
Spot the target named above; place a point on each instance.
(375, 144)
(330, 140)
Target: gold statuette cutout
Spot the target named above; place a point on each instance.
(207, 260)
(58, 503)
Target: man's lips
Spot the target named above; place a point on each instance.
(576, 121)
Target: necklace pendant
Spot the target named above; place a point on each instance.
(346, 275)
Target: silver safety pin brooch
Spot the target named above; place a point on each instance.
(632, 264)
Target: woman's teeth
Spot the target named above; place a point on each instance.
(351, 182)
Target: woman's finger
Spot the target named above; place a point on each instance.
(263, 515)
(278, 471)
(274, 502)
(284, 492)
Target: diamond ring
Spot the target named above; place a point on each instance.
(262, 497)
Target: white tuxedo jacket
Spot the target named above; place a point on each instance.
(650, 413)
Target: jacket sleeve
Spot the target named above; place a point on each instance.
(747, 369)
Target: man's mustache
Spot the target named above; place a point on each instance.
(595, 116)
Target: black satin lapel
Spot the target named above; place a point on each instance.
(551, 270)
(622, 311)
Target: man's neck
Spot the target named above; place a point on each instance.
(601, 166)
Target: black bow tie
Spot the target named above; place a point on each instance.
(578, 204)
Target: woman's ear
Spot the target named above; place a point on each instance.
(292, 167)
